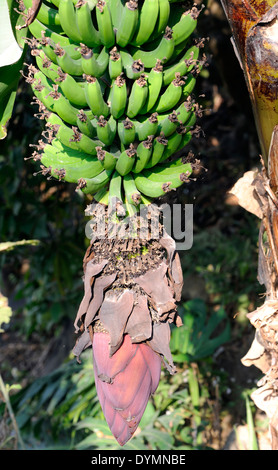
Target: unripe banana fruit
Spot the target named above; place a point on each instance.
(113, 83)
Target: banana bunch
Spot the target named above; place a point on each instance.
(113, 80)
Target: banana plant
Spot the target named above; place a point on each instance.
(254, 28)
(112, 80)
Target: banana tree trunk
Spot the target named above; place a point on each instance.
(254, 26)
(255, 39)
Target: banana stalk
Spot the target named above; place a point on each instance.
(254, 26)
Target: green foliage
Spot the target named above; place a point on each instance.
(196, 338)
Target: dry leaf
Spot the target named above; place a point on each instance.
(245, 193)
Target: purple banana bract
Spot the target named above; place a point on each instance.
(124, 382)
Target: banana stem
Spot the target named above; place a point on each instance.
(11, 413)
(195, 398)
(254, 27)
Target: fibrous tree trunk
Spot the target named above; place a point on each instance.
(254, 26)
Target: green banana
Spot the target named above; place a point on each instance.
(105, 26)
(102, 196)
(146, 127)
(173, 170)
(176, 179)
(94, 97)
(144, 151)
(92, 65)
(65, 155)
(186, 137)
(128, 23)
(71, 137)
(131, 211)
(68, 20)
(42, 88)
(173, 144)
(107, 159)
(189, 85)
(159, 145)
(115, 198)
(71, 89)
(55, 2)
(163, 17)
(126, 131)
(126, 160)
(171, 96)
(115, 65)
(84, 143)
(63, 107)
(185, 27)
(132, 68)
(185, 110)
(176, 142)
(163, 51)
(155, 80)
(169, 124)
(93, 185)
(153, 190)
(89, 34)
(47, 15)
(67, 63)
(118, 97)
(184, 66)
(116, 8)
(71, 173)
(137, 97)
(48, 68)
(133, 196)
(42, 46)
(85, 124)
(146, 22)
(187, 126)
(106, 130)
(71, 49)
(39, 30)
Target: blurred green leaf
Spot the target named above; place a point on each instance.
(196, 338)
(11, 245)
(5, 311)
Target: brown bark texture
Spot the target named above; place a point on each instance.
(254, 26)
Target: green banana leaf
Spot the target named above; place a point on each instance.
(196, 338)
(12, 53)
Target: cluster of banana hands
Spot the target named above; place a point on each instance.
(113, 81)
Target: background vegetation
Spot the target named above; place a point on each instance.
(205, 405)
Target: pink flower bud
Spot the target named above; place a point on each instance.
(124, 382)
